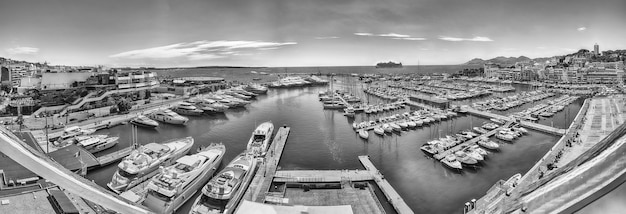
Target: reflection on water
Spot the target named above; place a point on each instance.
(322, 139)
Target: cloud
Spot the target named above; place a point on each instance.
(424, 49)
(22, 50)
(411, 38)
(201, 50)
(327, 37)
(541, 47)
(475, 39)
(363, 34)
(394, 35)
(581, 29)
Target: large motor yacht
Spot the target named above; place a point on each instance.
(96, 143)
(168, 116)
(176, 184)
(260, 139)
(187, 109)
(142, 163)
(216, 194)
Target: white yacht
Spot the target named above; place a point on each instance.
(176, 184)
(144, 121)
(142, 163)
(96, 143)
(187, 109)
(74, 131)
(260, 139)
(221, 188)
(168, 116)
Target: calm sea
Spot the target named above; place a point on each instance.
(247, 75)
(324, 139)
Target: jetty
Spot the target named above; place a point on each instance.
(469, 142)
(392, 196)
(267, 168)
(313, 176)
(267, 173)
(525, 124)
(115, 156)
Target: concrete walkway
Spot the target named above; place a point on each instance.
(604, 115)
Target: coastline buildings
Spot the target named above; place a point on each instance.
(580, 67)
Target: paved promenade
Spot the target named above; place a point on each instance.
(605, 114)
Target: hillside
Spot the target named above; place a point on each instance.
(498, 60)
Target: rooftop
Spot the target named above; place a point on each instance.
(30, 203)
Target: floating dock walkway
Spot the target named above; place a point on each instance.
(392, 196)
(268, 173)
(115, 156)
(313, 176)
(470, 142)
(526, 124)
(267, 167)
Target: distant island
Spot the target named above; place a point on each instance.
(389, 64)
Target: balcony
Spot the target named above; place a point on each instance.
(123, 78)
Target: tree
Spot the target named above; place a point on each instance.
(124, 105)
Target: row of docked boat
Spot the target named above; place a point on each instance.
(505, 103)
(472, 145)
(372, 108)
(385, 93)
(399, 122)
(298, 81)
(162, 177)
(450, 91)
(545, 109)
(468, 156)
(92, 143)
(216, 102)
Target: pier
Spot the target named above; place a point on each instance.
(525, 124)
(469, 142)
(267, 173)
(312, 176)
(115, 156)
(392, 196)
(267, 168)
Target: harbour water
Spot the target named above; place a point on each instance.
(324, 139)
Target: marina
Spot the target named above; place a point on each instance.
(312, 107)
(271, 183)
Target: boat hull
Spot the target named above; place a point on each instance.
(191, 189)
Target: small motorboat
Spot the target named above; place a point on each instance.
(480, 130)
(488, 144)
(395, 127)
(364, 134)
(387, 128)
(379, 131)
(505, 137)
(411, 124)
(451, 162)
(403, 125)
(464, 158)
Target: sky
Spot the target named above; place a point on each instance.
(278, 33)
